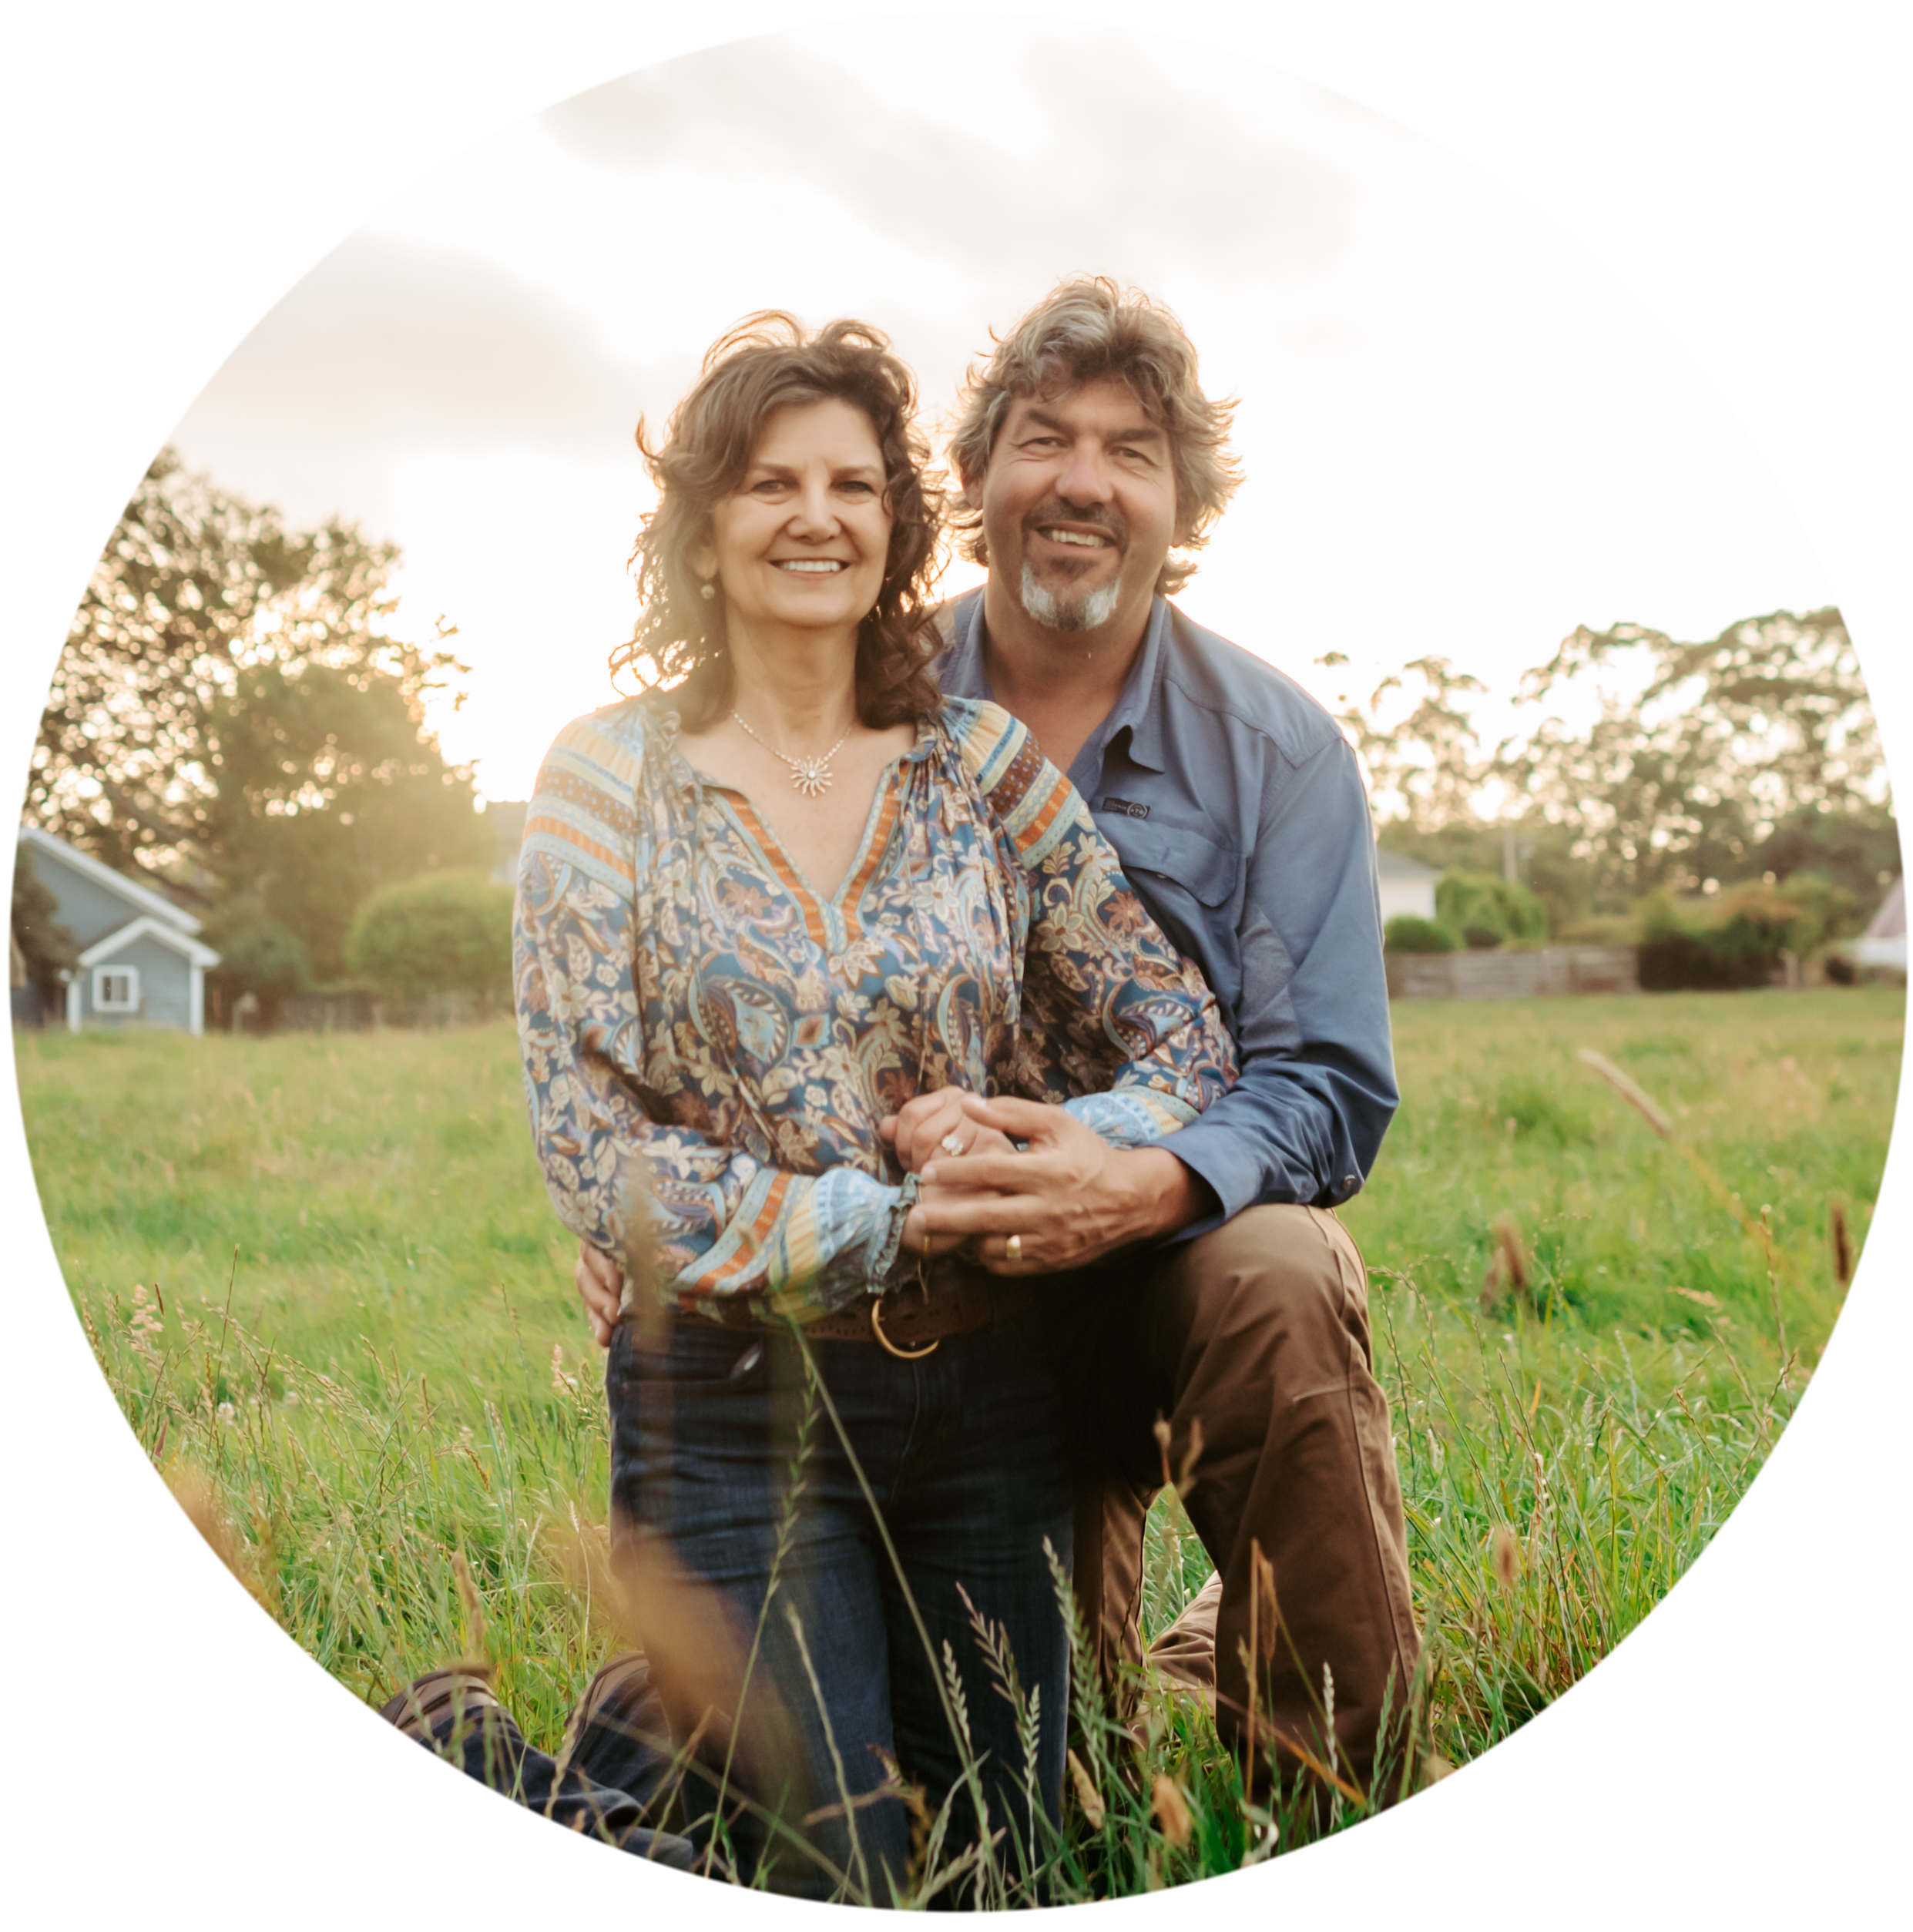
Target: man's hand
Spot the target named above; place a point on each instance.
(919, 1132)
(1071, 1197)
(601, 1289)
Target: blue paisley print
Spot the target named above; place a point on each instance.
(709, 1044)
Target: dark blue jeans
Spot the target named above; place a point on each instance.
(782, 1623)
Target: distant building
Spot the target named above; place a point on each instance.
(1883, 942)
(506, 817)
(140, 965)
(1406, 887)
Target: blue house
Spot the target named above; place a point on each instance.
(140, 965)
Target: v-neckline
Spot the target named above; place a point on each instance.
(767, 834)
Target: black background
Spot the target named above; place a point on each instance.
(169, 184)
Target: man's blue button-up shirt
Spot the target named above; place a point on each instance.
(1236, 806)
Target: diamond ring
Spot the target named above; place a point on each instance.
(1013, 1248)
(950, 1144)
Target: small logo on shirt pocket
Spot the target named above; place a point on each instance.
(1127, 806)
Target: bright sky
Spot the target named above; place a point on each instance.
(1462, 437)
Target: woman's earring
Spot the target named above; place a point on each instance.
(709, 591)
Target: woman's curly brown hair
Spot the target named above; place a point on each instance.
(766, 362)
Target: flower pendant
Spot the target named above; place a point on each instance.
(811, 775)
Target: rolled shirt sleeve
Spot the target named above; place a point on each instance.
(1316, 1088)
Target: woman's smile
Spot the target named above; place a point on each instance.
(803, 541)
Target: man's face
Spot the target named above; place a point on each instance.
(1078, 504)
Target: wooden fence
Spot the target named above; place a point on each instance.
(1555, 970)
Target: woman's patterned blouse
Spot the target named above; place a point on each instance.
(709, 1045)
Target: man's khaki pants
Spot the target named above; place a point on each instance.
(1258, 1333)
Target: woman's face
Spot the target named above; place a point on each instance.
(802, 540)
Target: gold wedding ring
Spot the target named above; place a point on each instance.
(1013, 1248)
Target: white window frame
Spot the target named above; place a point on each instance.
(101, 1004)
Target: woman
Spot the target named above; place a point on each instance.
(760, 910)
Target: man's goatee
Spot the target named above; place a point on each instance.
(1088, 611)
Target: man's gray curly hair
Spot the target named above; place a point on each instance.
(1082, 330)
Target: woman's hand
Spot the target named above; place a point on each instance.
(601, 1289)
(932, 1127)
(935, 1126)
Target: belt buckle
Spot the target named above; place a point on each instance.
(889, 1346)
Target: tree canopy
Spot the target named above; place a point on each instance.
(232, 714)
(47, 950)
(1729, 740)
(1751, 752)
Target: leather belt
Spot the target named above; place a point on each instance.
(907, 1323)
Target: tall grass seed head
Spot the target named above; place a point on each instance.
(1507, 1555)
(1171, 1811)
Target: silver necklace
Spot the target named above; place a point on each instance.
(812, 776)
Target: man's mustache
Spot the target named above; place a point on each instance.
(1095, 515)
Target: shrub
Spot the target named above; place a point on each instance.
(257, 955)
(444, 932)
(1601, 929)
(1735, 939)
(1487, 910)
(1408, 932)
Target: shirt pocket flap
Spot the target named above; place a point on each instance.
(1202, 865)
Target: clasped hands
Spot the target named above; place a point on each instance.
(1068, 1196)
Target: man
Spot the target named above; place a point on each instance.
(1215, 1290)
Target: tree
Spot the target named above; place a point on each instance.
(1859, 851)
(232, 714)
(1753, 753)
(448, 932)
(47, 951)
(257, 955)
(1725, 741)
(1425, 767)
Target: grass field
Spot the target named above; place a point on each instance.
(323, 1279)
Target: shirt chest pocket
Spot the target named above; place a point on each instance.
(1187, 877)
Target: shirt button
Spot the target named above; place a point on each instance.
(1349, 1180)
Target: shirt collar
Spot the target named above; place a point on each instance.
(1135, 710)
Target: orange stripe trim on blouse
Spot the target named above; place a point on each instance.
(852, 896)
(788, 876)
(557, 828)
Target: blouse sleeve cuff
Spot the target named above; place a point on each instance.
(886, 1242)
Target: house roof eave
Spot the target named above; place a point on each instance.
(116, 941)
(154, 904)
